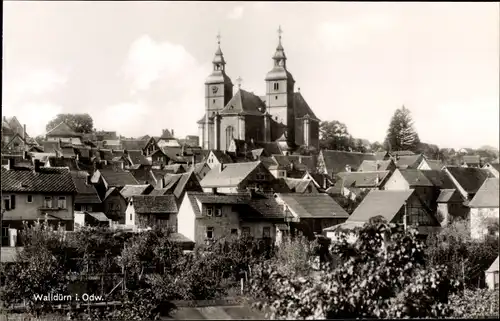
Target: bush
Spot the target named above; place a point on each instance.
(383, 275)
(475, 304)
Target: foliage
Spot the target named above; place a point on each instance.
(348, 204)
(293, 256)
(475, 304)
(429, 150)
(382, 275)
(80, 123)
(40, 139)
(335, 136)
(466, 259)
(401, 135)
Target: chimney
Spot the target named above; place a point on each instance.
(172, 133)
(37, 165)
(214, 190)
(221, 168)
(24, 131)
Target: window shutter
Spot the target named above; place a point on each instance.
(13, 201)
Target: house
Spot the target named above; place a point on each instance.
(177, 184)
(133, 144)
(137, 157)
(352, 184)
(114, 205)
(217, 157)
(298, 185)
(33, 193)
(116, 178)
(200, 170)
(143, 174)
(209, 217)
(311, 213)
(296, 165)
(467, 180)
(321, 181)
(494, 168)
(95, 219)
(275, 168)
(174, 169)
(471, 161)
(491, 276)
(396, 206)
(128, 191)
(236, 177)
(450, 206)
(409, 161)
(64, 133)
(147, 211)
(87, 199)
(377, 165)
(431, 164)
(331, 162)
(484, 209)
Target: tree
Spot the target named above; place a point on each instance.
(401, 135)
(80, 123)
(376, 147)
(40, 139)
(335, 136)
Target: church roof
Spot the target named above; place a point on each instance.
(244, 103)
(279, 73)
(217, 77)
(302, 108)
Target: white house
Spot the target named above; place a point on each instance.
(484, 209)
(492, 276)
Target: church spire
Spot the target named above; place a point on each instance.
(279, 56)
(218, 61)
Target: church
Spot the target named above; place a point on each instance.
(282, 115)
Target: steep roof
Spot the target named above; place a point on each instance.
(244, 103)
(435, 164)
(415, 177)
(222, 157)
(51, 147)
(133, 144)
(118, 178)
(362, 179)
(469, 178)
(174, 169)
(301, 107)
(134, 190)
(164, 204)
(313, 205)
(408, 161)
(438, 178)
(231, 174)
(143, 175)
(384, 203)
(374, 165)
(336, 161)
(47, 180)
(449, 195)
(487, 195)
(298, 185)
(136, 157)
(86, 193)
(63, 129)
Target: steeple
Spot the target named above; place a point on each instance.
(279, 56)
(219, 62)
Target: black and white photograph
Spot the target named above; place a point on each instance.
(258, 160)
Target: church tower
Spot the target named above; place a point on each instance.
(279, 93)
(218, 92)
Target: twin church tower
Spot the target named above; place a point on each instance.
(281, 115)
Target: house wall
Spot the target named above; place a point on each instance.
(212, 161)
(130, 215)
(479, 219)
(278, 173)
(396, 182)
(222, 225)
(257, 229)
(115, 207)
(233, 121)
(492, 280)
(228, 190)
(186, 219)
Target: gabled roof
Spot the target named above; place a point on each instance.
(494, 267)
(47, 180)
(381, 155)
(134, 190)
(223, 157)
(86, 193)
(384, 203)
(487, 195)
(164, 204)
(160, 191)
(313, 205)
(177, 183)
(469, 178)
(133, 144)
(302, 108)
(244, 103)
(495, 166)
(63, 129)
(298, 185)
(415, 177)
(302, 163)
(143, 175)
(230, 175)
(138, 158)
(449, 195)
(51, 147)
(118, 178)
(174, 169)
(362, 179)
(336, 161)
(438, 178)
(375, 165)
(408, 161)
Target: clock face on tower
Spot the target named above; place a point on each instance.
(215, 89)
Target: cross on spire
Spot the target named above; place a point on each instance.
(280, 31)
(238, 81)
(218, 38)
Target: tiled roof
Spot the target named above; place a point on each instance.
(244, 103)
(435, 164)
(265, 206)
(384, 203)
(143, 175)
(233, 199)
(408, 161)
(159, 191)
(63, 130)
(112, 143)
(138, 158)
(47, 180)
(362, 179)
(469, 178)
(174, 153)
(438, 178)
(134, 190)
(257, 153)
(495, 166)
(303, 163)
(83, 152)
(111, 191)
(270, 163)
(71, 163)
(133, 144)
(298, 185)
(106, 154)
(374, 165)
(223, 157)
(336, 161)
(118, 178)
(86, 193)
(174, 169)
(449, 195)
(183, 183)
(155, 204)
(301, 107)
(100, 216)
(231, 174)
(487, 195)
(313, 205)
(415, 177)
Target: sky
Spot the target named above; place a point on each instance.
(139, 67)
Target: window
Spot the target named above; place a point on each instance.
(210, 211)
(260, 177)
(210, 233)
(276, 86)
(234, 231)
(29, 199)
(245, 231)
(218, 212)
(266, 232)
(131, 216)
(275, 97)
(47, 202)
(6, 203)
(61, 202)
(229, 135)
(213, 101)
